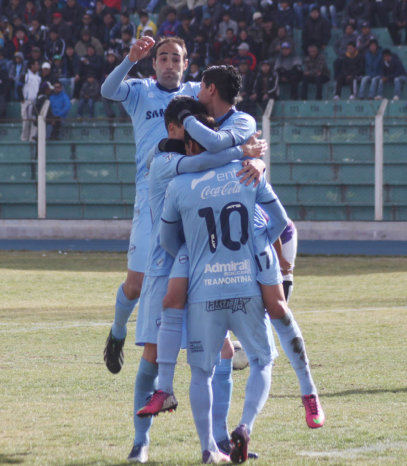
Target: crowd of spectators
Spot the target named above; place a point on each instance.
(70, 46)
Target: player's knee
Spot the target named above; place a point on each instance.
(227, 350)
(132, 289)
(174, 301)
(278, 309)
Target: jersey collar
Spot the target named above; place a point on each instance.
(223, 118)
(162, 88)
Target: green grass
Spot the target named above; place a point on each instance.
(60, 405)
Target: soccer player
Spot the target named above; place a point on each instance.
(145, 101)
(163, 168)
(216, 212)
(219, 87)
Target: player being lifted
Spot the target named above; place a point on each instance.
(219, 87)
(216, 212)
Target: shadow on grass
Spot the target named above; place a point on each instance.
(12, 459)
(361, 391)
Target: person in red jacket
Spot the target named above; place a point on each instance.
(244, 55)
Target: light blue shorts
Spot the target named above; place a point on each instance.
(150, 310)
(268, 266)
(140, 233)
(208, 322)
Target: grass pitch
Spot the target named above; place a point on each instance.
(60, 405)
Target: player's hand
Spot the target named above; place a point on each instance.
(141, 48)
(285, 266)
(255, 147)
(252, 171)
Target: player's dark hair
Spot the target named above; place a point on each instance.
(206, 120)
(226, 79)
(179, 103)
(170, 40)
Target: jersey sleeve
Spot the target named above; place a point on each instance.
(214, 141)
(169, 238)
(206, 160)
(268, 200)
(114, 86)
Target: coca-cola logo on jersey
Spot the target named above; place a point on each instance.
(231, 187)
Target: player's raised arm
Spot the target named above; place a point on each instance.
(114, 87)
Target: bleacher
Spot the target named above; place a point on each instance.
(322, 159)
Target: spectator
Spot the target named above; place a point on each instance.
(89, 93)
(17, 71)
(72, 13)
(187, 32)
(54, 45)
(265, 86)
(373, 70)
(30, 12)
(393, 71)
(46, 72)
(255, 32)
(81, 47)
(399, 22)
(282, 37)
(14, 8)
(301, 10)
(268, 35)
(329, 10)
(225, 24)
(199, 49)
(285, 15)
(170, 26)
(365, 37)
(4, 90)
(240, 12)
(381, 11)
(20, 41)
(244, 55)
(353, 66)
(87, 23)
(289, 69)
(31, 86)
(59, 109)
(73, 64)
(357, 11)
(37, 34)
(194, 74)
(340, 47)
(105, 37)
(117, 29)
(228, 47)
(316, 31)
(110, 63)
(315, 71)
(59, 70)
(210, 29)
(214, 9)
(47, 10)
(126, 40)
(245, 104)
(36, 54)
(145, 21)
(91, 64)
(243, 36)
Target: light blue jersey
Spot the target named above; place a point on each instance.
(145, 100)
(164, 167)
(217, 215)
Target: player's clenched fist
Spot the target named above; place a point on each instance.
(141, 48)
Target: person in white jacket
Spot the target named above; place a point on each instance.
(30, 91)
